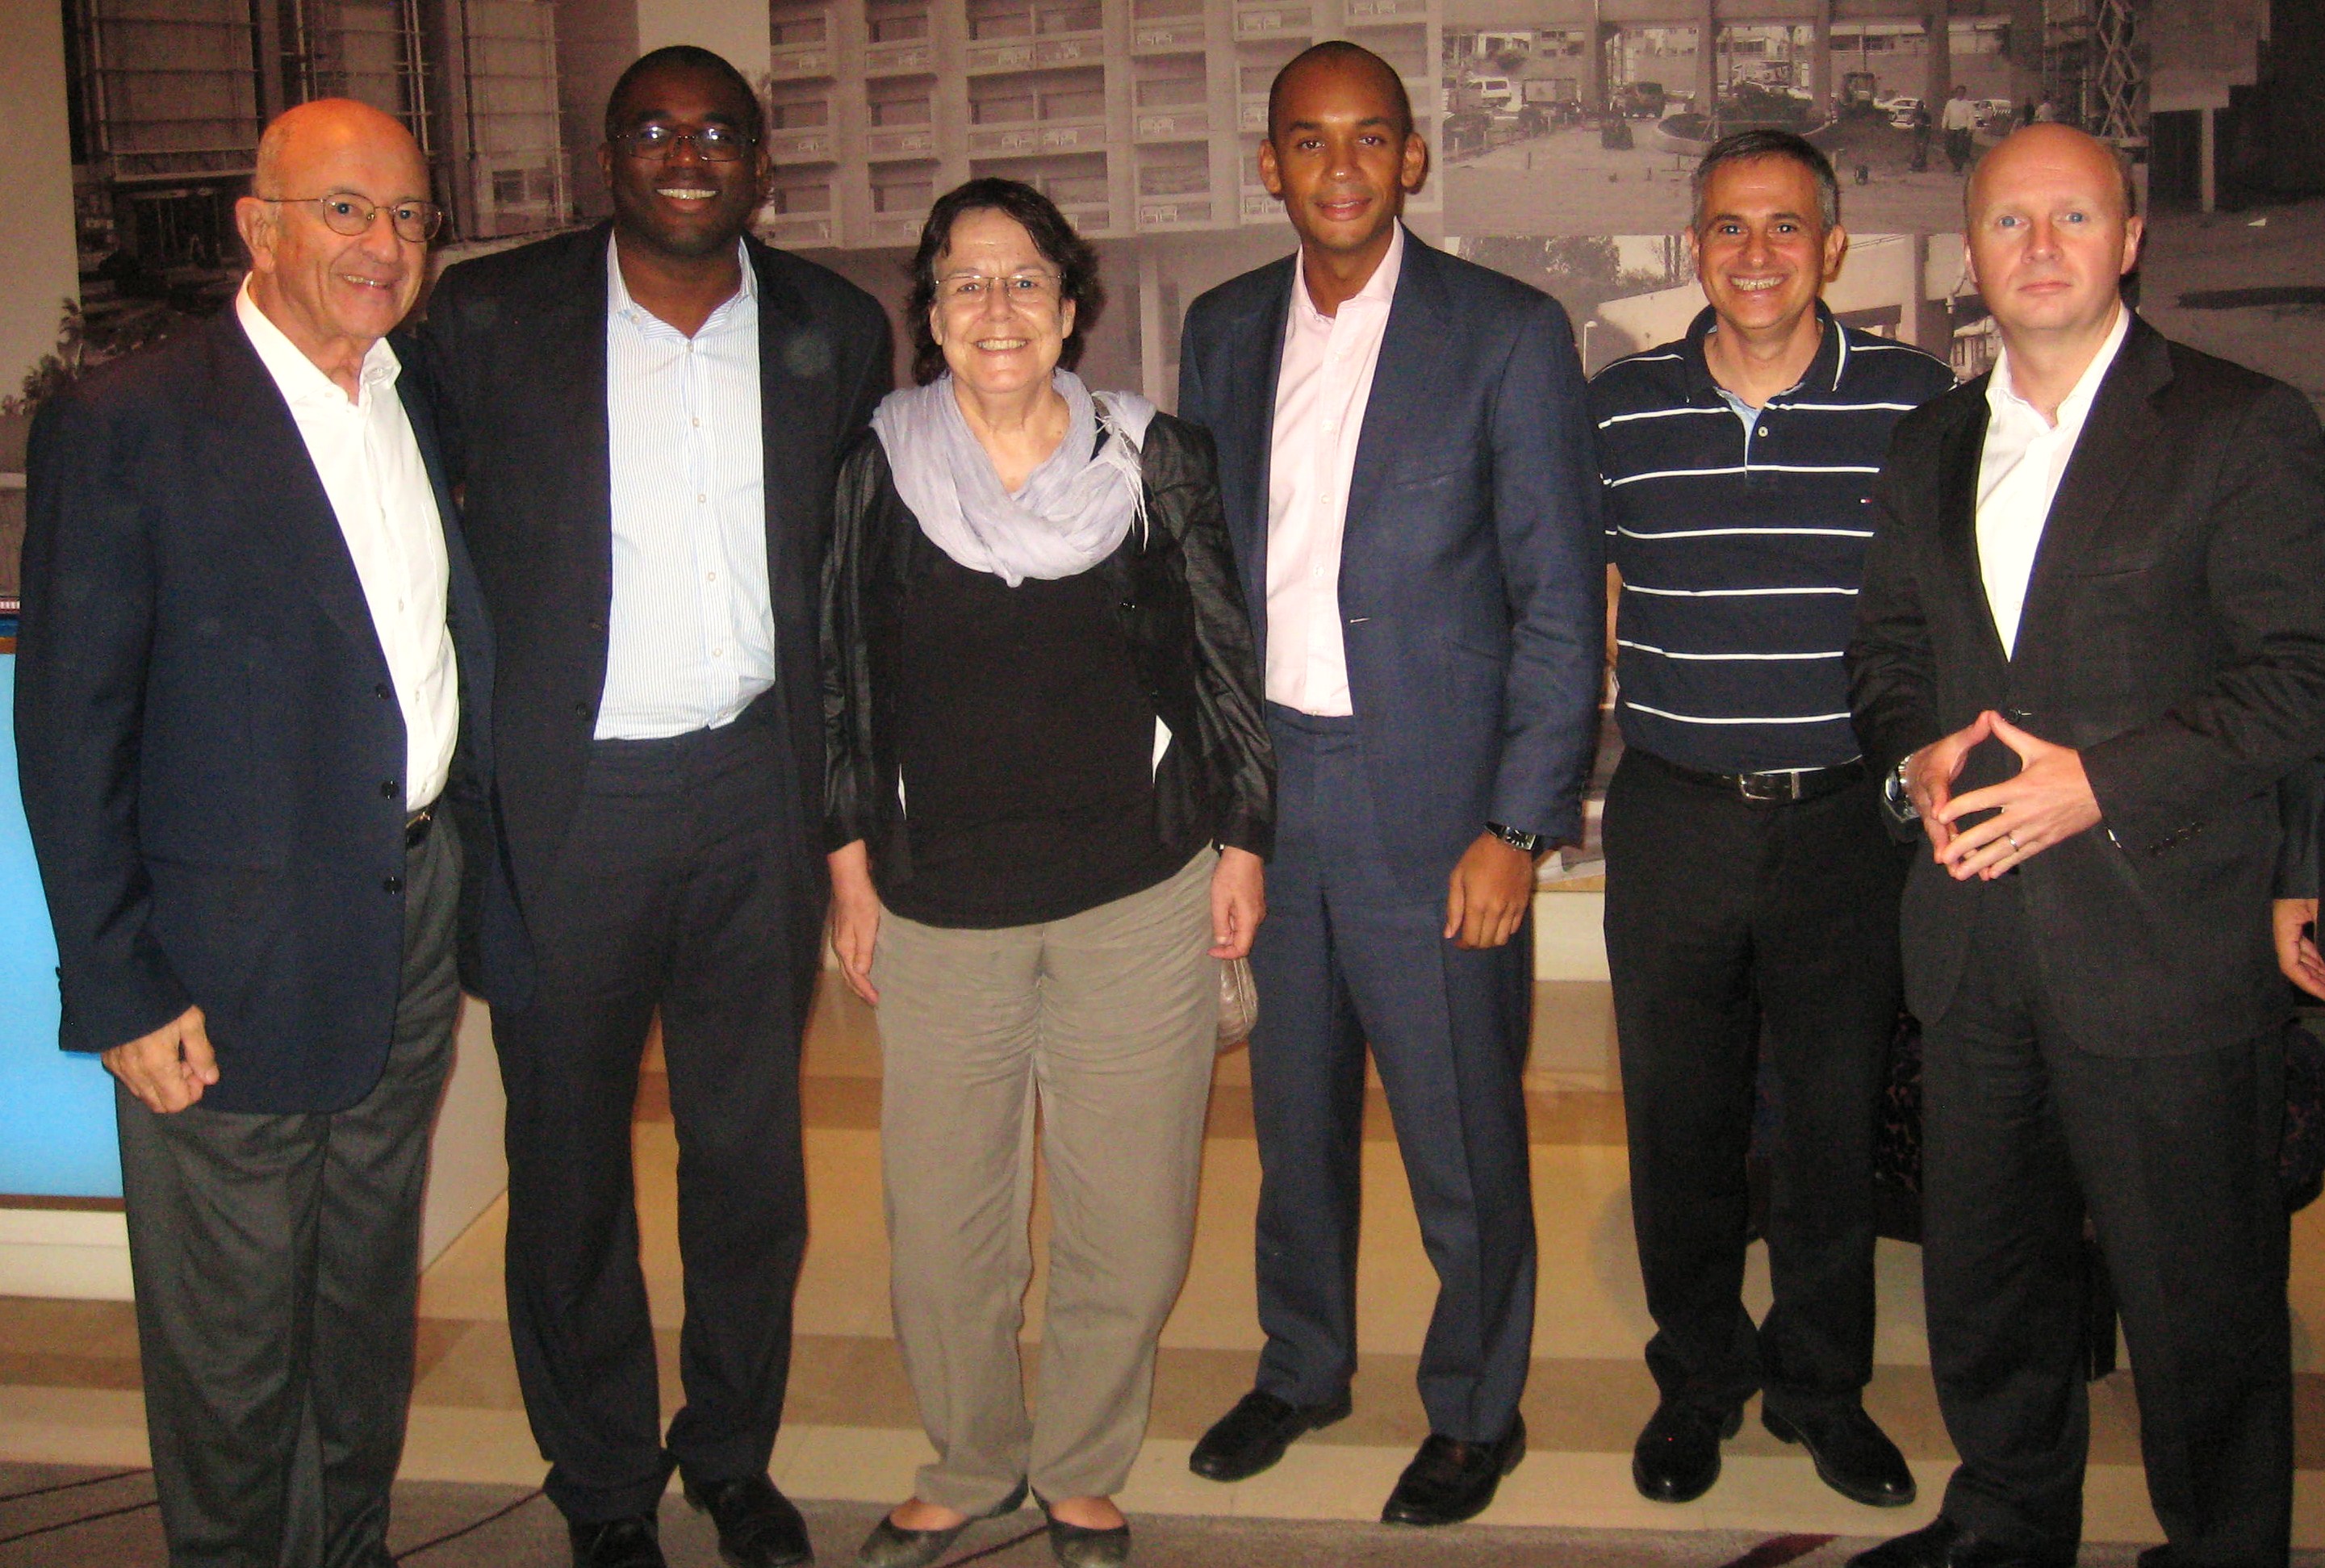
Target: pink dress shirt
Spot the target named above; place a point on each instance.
(1326, 381)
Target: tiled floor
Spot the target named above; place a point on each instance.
(69, 1389)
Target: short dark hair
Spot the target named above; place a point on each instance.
(1745, 146)
(1074, 257)
(1341, 49)
(686, 57)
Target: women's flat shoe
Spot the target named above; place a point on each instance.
(1080, 1546)
(890, 1545)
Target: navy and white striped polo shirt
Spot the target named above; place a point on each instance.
(1741, 545)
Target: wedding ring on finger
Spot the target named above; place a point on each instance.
(2012, 839)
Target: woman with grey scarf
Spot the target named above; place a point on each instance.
(1050, 792)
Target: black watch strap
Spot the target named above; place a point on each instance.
(1526, 843)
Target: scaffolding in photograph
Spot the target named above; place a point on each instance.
(171, 88)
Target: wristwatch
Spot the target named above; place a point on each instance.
(1897, 797)
(1524, 843)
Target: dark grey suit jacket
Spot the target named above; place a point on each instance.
(2173, 632)
(515, 350)
(1472, 568)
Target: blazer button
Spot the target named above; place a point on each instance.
(580, 711)
(1130, 604)
(393, 885)
(382, 692)
(387, 787)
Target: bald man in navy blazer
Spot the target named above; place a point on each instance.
(1405, 461)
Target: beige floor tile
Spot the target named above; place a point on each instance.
(73, 1426)
(482, 1446)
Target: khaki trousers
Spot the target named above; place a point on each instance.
(1107, 1021)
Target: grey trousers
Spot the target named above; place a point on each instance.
(276, 1260)
(1108, 1022)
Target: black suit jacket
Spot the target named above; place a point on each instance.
(2173, 632)
(1472, 585)
(515, 346)
(211, 752)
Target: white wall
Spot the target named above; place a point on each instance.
(36, 215)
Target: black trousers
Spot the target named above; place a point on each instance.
(277, 1264)
(685, 888)
(1347, 956)
(1735, 930)
(2174, 1160)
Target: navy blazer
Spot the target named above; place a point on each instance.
(212, 752)
(1472, 571)
(515, 350)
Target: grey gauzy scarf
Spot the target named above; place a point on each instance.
(1074, 510)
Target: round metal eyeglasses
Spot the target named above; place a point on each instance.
(414, 222)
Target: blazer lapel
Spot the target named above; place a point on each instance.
(1963, 447)
(1402, 382)
(567, 319)
(2118, 434)
(262, 459)
(1253, 366)
(788, 366)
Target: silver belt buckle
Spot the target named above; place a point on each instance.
(1769, 789)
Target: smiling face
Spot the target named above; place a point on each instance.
(1762, 252)
(1339, 157)
(2050, 234)
(998, 316)
(334, 294)
(683, 205)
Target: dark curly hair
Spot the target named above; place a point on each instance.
(1053, 236)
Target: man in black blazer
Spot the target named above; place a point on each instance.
(250, 642)
(2091, 641)
(1405, 461)
(648, 417)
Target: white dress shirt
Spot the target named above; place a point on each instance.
(1960, 115)
(364, 452)
(1325, 383)
(2018, 476)
(691, 639)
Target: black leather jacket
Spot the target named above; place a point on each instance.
(1181, 611)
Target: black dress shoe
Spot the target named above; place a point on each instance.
(758, 1527)
(1942, 1544)
(1448, 1481)
(1677, 1456)
(1853, 1457)
(632, 1543)
(1253, 1435)
(890, 1545)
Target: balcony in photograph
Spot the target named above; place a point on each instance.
(896, 36)
(1165, 25)
(902, 112)
(1274, 19)
(800, 41)
(1016, 34)
(1170, 98)
(1037, 112)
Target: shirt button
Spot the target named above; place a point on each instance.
(696, 421)
(711, 577)
(700, 500)
(720, 652)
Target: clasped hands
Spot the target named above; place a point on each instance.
(2048, 802)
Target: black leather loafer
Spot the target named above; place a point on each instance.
(1448, 1481)
(1942, 1544)
(632, 1543)
(890, 1545)
(1083, 1547)
(1677, 1456)
(1853, 1456)
(1253, 1435)
(758, 1527)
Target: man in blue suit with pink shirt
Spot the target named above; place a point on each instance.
(1405, 461)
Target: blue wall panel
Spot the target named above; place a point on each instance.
(56, 1110)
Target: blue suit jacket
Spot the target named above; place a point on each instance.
(1472, 575)
(210, 750)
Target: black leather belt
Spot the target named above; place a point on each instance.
(416, 826)
(1787, 787)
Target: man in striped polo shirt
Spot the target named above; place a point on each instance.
(1752, 886)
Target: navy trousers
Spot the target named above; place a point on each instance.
(1349, 955)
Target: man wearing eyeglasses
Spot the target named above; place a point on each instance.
(647, 416)
(251, 641)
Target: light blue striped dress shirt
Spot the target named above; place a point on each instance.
(691, 639)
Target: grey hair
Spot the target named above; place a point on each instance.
(1745, 146)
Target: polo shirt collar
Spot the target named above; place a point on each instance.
(1824, 372)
